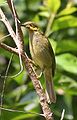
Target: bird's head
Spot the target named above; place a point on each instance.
(30, 25)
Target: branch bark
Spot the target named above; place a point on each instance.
(17, 37)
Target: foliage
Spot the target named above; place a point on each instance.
(19, 93)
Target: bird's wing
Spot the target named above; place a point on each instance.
(53, 58)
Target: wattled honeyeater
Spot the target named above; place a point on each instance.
(43, 55)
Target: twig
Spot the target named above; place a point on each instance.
(62, 115)
(7, 24)
(2, 38)
(50, 22)
(19, 111)
(19, 34)
(6, 73)
(8, 48)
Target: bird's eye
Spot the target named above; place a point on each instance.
(33, 27)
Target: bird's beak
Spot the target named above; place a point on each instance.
(25, 25)
(22, 24)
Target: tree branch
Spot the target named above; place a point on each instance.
(8, 48)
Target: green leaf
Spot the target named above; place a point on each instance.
(17, 92)
(67, 11)
(53, 5)
(64, 22)
(68, 62)
(13, 115)
(2, 2)
(33, 4)
(44, 14)
(24, 116)
(66, 46)
(68, 84)
(20, 79)
(31, 96)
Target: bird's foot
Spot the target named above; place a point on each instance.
(39, 76)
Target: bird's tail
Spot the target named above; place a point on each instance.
(49, 85)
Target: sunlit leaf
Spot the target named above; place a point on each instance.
(30, 106)
(33, 5)
(66, 46)
(67, 11)
(44, 14)
(68, 62)
(31, 96)
(23, 116)
(20, 79)
(64, 22)
(68, 84)
(2, 2)
(53, 5)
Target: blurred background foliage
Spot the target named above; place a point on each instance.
(19, 93)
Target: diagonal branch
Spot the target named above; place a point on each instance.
(7, 24)
(19, 34)
(8, 48)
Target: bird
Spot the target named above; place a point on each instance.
(42, 54)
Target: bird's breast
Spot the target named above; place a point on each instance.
(39, 52)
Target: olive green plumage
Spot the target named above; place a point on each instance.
(43, 55)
